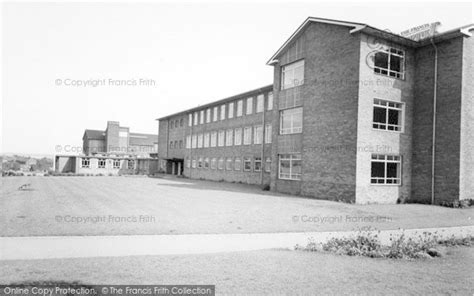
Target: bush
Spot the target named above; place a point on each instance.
(464, 203)
(266, 188)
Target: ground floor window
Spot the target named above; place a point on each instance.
(257, 164)
(131, 164)
(268, 164)
(188, 163)
(385, 169)
(290, 166)
(213, 163)
(101, 163)
(200, 163)
(206, 162)
(194, 163)
(85, 163)
(116, 163)
(220, 164)
(228, 164)
(238, 164)
(247, 164)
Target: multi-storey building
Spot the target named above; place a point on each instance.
(355, 114)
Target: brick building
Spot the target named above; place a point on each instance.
(349, 117)
(113, 151)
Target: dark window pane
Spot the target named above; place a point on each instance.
(380, 115)
(381, 60)
(395, 63)
(393, 117)
(378, 169)
(392, 169)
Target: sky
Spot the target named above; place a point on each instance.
(67, 67)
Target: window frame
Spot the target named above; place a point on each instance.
(290, 159)
(377, 158)
(288, 69)
(401, 109)
(388, 50)
(292, 129)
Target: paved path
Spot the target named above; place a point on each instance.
(26, 248)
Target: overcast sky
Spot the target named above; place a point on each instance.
(186, 54)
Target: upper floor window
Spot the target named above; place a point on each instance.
(194, 142)
(292, 75)
(240, 105)
(214, 115)
(190, 119)
(195, 118)
(270, 101)
(188, 142)
(221, 139)
(388, 115)
(200, 140)
(206, 140)
(201, 121)
(181, 122)
(238, 136)
(391, 62)
(222, 112)
(258, 135)
(249, 109)
(385, 169)
(171, 124)
(231, 110)
(291, 121)
(213, 139)
(268, 133)
(248, 135)
(229, 137)
(260, 103)
(208, 115)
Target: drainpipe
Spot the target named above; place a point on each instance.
(433, 149)
(262, 164)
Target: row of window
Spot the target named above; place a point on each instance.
(231, 110)
(230, 137)
(101, 163)
(248, 164)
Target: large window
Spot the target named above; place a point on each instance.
(238, 136)
(213, 139)
(208, 115)
(247, 135)
(231, 110)
(206, 140)
(247, 164)
(85, 163)
(291, 121)
(240, 105)
(386, 169)
(214, 115)
(268, 133)
(249, 109)
(260, 103)
(388, 115)
(289, 166)
(292, 75)
(238, 164)
(221, 138)
(223, 112)
(270, 101)
(258, 134)
(390, 62)
(257, 164)
(229, 137)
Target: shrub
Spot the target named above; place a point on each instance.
(266, 188)
(464, 203)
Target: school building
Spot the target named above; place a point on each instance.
(354, 113)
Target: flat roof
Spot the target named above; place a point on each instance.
(266, 88)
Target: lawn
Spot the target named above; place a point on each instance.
(270, 272)
(141, 205)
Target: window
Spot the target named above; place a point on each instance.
(238, 136)
(171, 124)
(131, 164)
(181, 122)
(220, 164)
(222, 112)
(176, 145)
(386, 169)
(85, 163)
(258, 135)
(270, 101)
(195, 118)
(291, 121)
(201, 121)
(213, 163)
(289, 166)
(240, 105)
(247, 135)
(188, 142)
(116, 163)
(257, 164)
(194, 141)
(206, 140)
(188, 163)
(171, 145)
(228, 164)
(247, 164)
(214, 116)
(388, 115)
(249, 109)
(231, 110)
(221, 138)
(190, 120)
(180, 144)
(213, 139)
(237, 164)
(292, 75)
(206, 162)
(268, 164)
(200, 140)
(194, 163)
(268, 133)
(200, 163)
(208, 115)
(260, 103)
(229, 137)
(390, 62)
